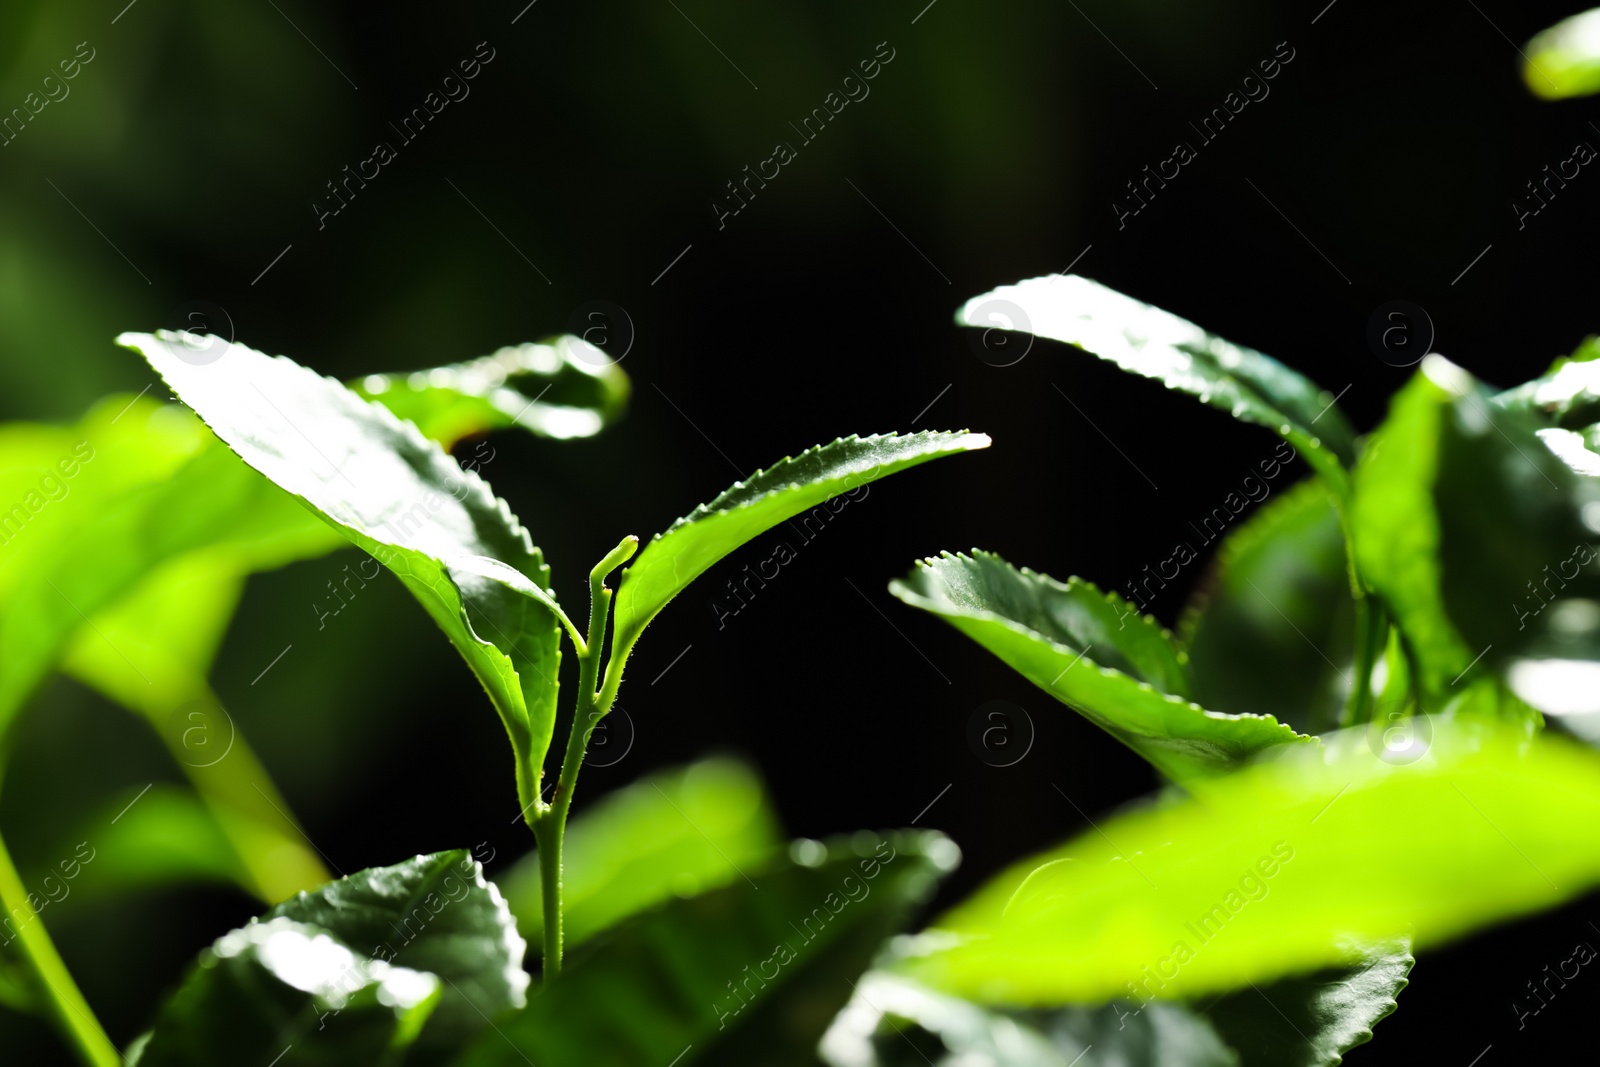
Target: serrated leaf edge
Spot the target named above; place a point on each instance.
(911, 596)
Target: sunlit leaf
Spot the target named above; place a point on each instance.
(1275, 871)
(695, 542)
(1094, 653)
(892, 1021)
(736, 976)
(678, 833)
(397, 495)
(1148, 341)
(112, 542)
(293, 991)
(433, 914)
(1564, 60)
(1476, 535)
(1312, 1021)
(1567, 395)
(564, 388)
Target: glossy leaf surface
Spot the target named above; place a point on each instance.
(894, 1022)
(435, 914)
(1395, 530)
(1477, 536)
(678, 833)
(695, 542)
(1148, 341)
(1312, 1021)
(1275, 871)
(293, 991)
(736, 976)
(1093, 652)
(394, 493)
(564, 388)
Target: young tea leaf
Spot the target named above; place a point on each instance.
(1148, 341)
(392, 492)
(1314, 1020)
(889, 1010)
(564, 388)
(293, 991)
(695, 542)
(434, 914)
(1476, 536)
(732, 977)
(1093, 652)
(1276, 871)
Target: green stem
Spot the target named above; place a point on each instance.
(72, 1014)
(549, 829)
(1372, 636)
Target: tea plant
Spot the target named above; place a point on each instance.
(1340, 811)
(380, 483)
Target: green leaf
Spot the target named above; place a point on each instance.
(1513, 542)
(1093, 652)
(291, 990)
(1567, 395)
(1313, 1021)
(1564, 60)
(894, 1022)
(1153, 343)
(735, 976)
(379, 482)
(1475, 535)
(695, 542)
(112, 541)
(677, 833)
(1270, 630)
(1275, 871)
(151, 652)
(434, 914)
(167, 837)
(1394, 526)
(564, 388)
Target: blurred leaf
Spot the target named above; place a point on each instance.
(1513, 546)
(677, 833)
(1047, 631)
(397, 495)
(894, 1022)
(213, 499)
(1394, 526)
(1564, 61)
(170, 625)
(1312, 1021)
(1276, 871)
(698, 540)
(158, 837)
(1567, 395)
(1269, 632)
(1153, 343)
(435, 914)
(294, 991)
(728, 977)
(564, 388)
(1473, 532)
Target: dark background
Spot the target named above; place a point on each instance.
(990, 149)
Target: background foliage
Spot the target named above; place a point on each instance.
(198, 137)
